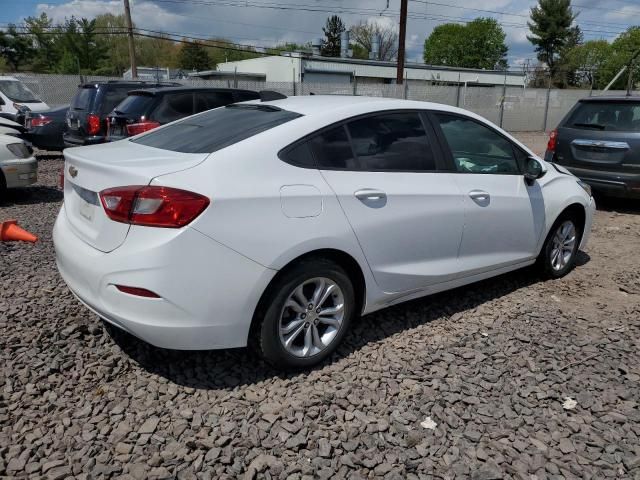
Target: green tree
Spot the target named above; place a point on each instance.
(44, 36)
(289, 47)
(332, 31)
(364, 34)
(115, 45)
(478, 44)
(550, 28)
(589, 62)
(15, 47)
(193, 56)
(623, 48)
(79, 47)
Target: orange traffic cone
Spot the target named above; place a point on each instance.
(10, 231)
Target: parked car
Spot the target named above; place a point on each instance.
(276, 223)
(18, 166)
(45, 129)
(9, 127)
(599, 142)
(86, 118)
(147, 109)
(16, 97)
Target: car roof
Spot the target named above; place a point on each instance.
(345, 105)
(612, 98)
(122, 83)
(163, 90)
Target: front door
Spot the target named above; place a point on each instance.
(504, 216)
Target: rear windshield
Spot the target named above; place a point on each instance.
(217, 129)
(610, 116)
(17, 91)
(136, 105)
(84, 97)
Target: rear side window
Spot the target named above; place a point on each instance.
(174, 106)
(209, 100)
(137, 105)
(395, 141)
(611, 116)
(332, 149)
(83, 98)
(217, 129)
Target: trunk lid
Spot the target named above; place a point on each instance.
(89, 170)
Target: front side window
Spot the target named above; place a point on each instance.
(394, 141)
(476, 148)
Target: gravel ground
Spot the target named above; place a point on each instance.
(471, 383)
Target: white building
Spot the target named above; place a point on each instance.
(300, 67)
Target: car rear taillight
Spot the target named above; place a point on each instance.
(553, 140)
(152, 206)
(141, 127)
(93, 124)
(39, 121)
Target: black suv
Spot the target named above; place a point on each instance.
(86, 118)
(146, 109)
(599, 142)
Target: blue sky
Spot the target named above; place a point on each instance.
(267, 22)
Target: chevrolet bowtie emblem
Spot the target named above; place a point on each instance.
(73, 171)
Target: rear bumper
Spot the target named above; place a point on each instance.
(20, 172)
(616, 184)
(45, 139)
(73, 141)
(208, 292)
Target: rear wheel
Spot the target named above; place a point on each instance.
(559, 252)
(306, 314)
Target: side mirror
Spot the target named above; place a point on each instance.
(534, 169)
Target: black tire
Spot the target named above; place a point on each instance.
(548, 253)
(267, 322)
(3, 187)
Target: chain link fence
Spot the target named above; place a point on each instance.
(513, 108)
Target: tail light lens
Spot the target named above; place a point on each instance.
(553, 139)
(152, 206)
(93, 124)
(141, 127)
(39, 121)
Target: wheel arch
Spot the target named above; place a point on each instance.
(575, 209)
(342, 258)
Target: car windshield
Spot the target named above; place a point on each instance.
(611, 116)
(18, 92)
(217, 129)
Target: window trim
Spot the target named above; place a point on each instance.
(448, 153)
(436, 149)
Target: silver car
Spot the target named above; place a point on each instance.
(18, 166)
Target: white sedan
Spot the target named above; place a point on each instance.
(277, 223)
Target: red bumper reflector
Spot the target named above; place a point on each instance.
(140, 292)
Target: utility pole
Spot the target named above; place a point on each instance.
(401, 37)
(132, 50)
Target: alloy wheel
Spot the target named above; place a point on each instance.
(563, 245)
(311, 317)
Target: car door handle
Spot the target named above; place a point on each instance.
(370, 194)
(479, 196)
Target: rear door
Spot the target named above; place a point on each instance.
(407, 216)
(504, 216)
(601, 135)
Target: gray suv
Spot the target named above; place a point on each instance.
(599, 142)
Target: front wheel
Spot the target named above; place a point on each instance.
(559, 252)
(307, 312)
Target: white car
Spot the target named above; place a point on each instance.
(18, 166)
(15, 95)
(276, 223)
